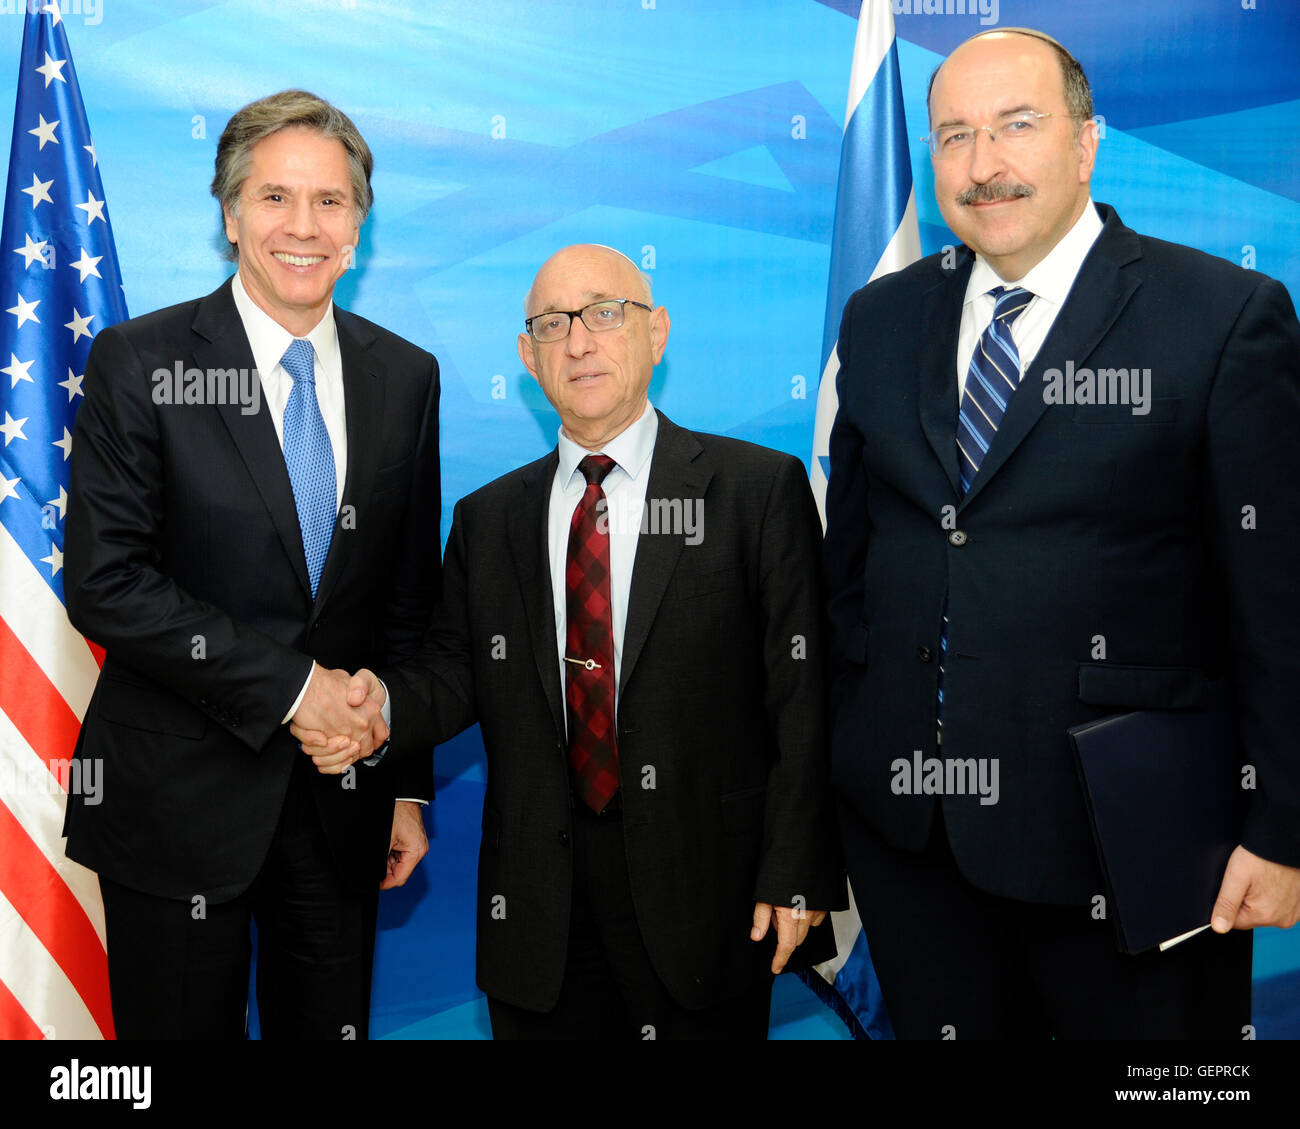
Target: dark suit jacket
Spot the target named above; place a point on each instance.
(185, 561)
(1101, 562)
(720, 720)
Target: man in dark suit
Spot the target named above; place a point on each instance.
(254, 503)
(1063, 485)
(635, 622)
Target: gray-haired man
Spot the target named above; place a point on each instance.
(254, 504)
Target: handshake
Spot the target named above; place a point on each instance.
(340, 720)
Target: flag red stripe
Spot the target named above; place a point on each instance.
(50, 909)
(31, 884)
(33, 702)
(15, 1023)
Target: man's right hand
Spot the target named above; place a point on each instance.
(339, 720)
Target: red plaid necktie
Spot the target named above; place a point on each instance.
(589, 643)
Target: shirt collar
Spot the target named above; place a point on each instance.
(1053, 277)
(269, 339)
(631, 448)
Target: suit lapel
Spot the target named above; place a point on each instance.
(1100, 292)
(363, 400)
(940, 315)
(674, 473)
(526, 522)
(222, 343)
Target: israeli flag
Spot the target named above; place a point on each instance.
(875, 208)
(875, 233)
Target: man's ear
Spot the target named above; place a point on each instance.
(524, 343)
(232, 229)
(1089, 139)
(659, 326)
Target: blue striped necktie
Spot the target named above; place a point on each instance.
(310, 459)
(993, 375)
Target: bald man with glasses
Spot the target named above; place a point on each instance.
(636, 622)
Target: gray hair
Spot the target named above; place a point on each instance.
(287, 110)
(1078, 92)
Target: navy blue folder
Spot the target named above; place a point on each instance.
(1165, 798)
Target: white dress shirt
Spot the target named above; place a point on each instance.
(625, 488)
(269, 340)
(1049, 281)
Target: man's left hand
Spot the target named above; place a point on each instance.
(408, 846)
(334, 755)
(1256, 892)
(791, 928)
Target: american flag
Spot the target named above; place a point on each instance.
(59, 285)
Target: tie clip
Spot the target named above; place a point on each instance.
(589, 664)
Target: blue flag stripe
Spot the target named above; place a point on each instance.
(875, 182)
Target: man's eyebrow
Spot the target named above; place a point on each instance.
(1023, 108)
(285, 190)
(588, 296)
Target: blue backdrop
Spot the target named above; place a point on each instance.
(702, 138)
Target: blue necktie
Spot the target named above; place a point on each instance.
(310, 459)
(994, 374)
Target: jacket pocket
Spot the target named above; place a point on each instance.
(395, 474)
(1156, 411)
(743, 811)
(1142, 687)
(692, 584)
(142, 705)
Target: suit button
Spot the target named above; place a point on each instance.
(564, 838)
(923, 653)
(957, 538)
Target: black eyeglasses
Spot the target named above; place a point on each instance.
(554, 325)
